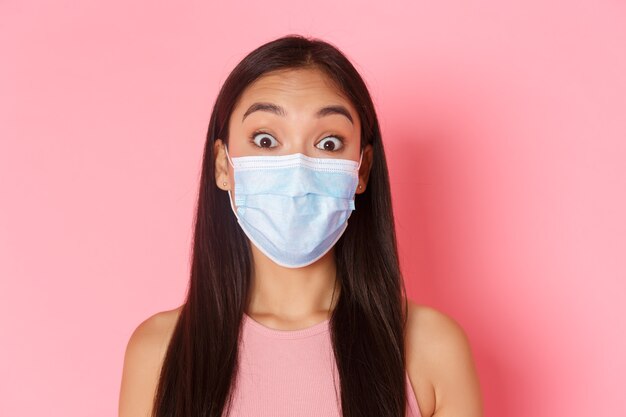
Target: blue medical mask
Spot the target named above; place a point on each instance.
(293, 207)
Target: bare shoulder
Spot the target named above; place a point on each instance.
(440, 364)
(143, 358)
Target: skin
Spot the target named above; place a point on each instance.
(438, 354)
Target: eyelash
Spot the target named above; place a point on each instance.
(258, 132)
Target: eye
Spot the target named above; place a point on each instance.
(330, 143)
(264, 140)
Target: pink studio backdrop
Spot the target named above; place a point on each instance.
(504, 125)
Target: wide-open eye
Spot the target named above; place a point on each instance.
(330, 143)
(264, 140)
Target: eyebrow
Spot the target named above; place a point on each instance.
(268, 107)
(335, 109)
(278, 110)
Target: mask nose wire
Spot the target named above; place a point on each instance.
(233, 165)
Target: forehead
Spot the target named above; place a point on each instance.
(301, 87)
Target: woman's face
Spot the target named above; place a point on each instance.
(291, 111)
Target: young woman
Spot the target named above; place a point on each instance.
(292, 310)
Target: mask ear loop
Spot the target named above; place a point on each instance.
(228, 156)
(230, 197)
(357, 172)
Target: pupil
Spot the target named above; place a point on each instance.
(265, 141)
(329, 146)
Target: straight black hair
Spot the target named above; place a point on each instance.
(367, 326)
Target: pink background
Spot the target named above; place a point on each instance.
(504, 125)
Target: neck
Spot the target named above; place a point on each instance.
(282, 295)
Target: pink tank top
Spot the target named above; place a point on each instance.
(290, 373)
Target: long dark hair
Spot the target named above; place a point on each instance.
(368, 322)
